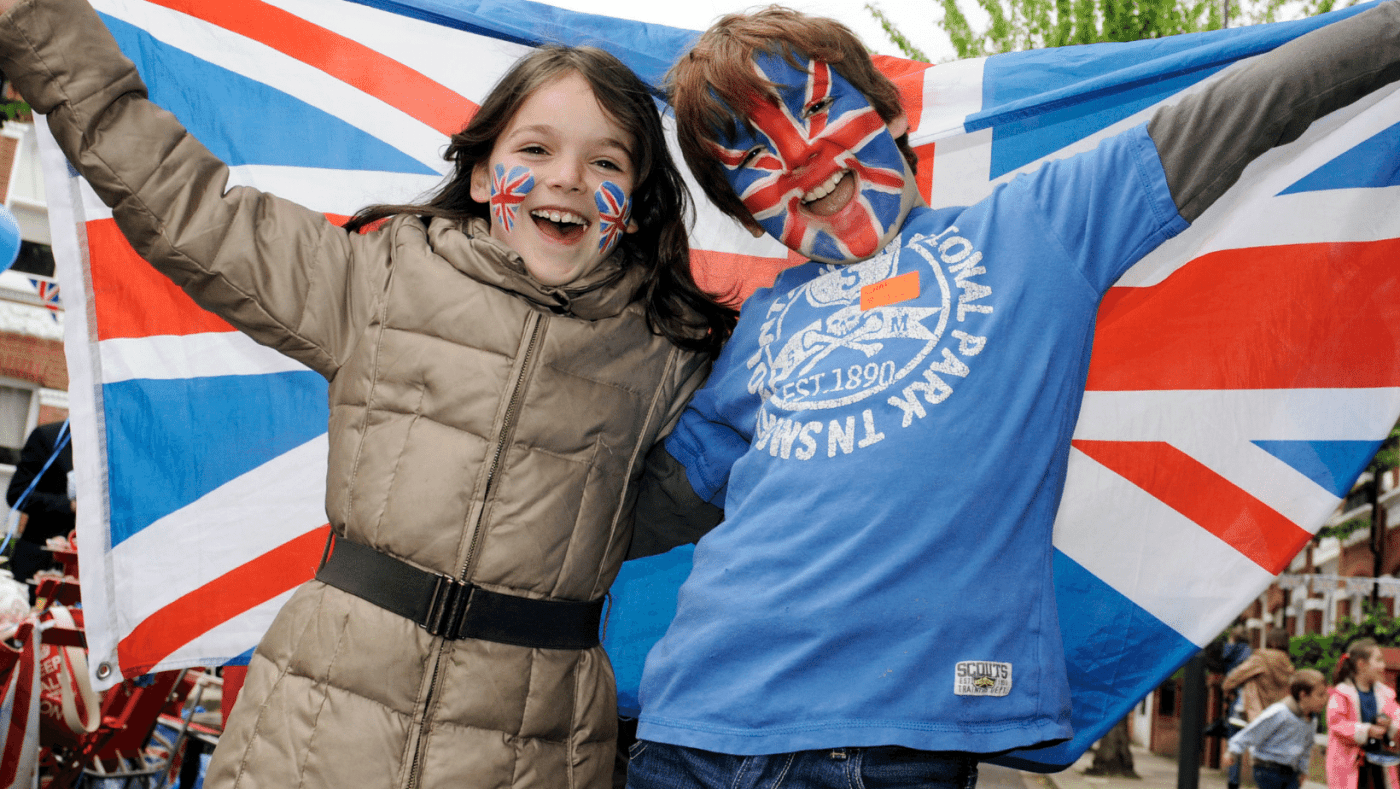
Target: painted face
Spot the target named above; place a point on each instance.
(559, 182)
(821, 172)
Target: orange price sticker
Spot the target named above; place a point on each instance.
(890, 291)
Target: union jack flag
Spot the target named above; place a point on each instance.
(614, 211)
(48, 294)
(799, 149)
(1241, 373)
(508, 190)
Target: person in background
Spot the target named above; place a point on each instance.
(1362, 711)
(39, 489)
(1263, 677)
(1236, 651)
(1281, 738)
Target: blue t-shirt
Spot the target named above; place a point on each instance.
(890, 476)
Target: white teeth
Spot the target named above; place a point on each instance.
(825, 189)
(559, 216)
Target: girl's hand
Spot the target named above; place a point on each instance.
(1377, 731)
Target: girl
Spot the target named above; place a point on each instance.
(1361, 709)
(500, 361)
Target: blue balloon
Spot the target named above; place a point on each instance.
(9, 239)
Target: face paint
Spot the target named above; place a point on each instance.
(507, 191)
(821, 172)
(614, 211)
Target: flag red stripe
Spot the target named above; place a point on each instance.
(923, 177)
(132, 299)
(732, 276)
(23, 676)
(220, 600)
(1209, 500)
(345, 59)
(1285, 317)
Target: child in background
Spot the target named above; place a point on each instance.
(500, 361)
(1280, 739)
(1362, 713)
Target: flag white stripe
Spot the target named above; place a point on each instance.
(261, 63)
(1172, 568)
(168, 357)
(225, 529)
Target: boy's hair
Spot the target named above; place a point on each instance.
(1277, 639)
(676, 306)
(714, 86)
(1305, 681)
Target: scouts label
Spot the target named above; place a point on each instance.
(981, 678)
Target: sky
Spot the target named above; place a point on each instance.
(915, 18)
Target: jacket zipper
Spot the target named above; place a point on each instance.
(507, 429)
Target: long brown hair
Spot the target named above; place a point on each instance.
(1358, 652)
(676, 307)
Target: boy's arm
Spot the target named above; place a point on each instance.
(1256, 732)
(669, 513)
(277, 271)
(1206, 140)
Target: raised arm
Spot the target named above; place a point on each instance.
(1206, 140)
(281, 273)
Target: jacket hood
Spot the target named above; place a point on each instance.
(602, 293)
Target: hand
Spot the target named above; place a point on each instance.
(1377, 731)
(6, 5)
(1227, 759)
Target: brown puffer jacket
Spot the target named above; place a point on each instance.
(481, 426)
(1263, 678)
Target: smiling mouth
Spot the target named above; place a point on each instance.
(560, 225)
(831, 195)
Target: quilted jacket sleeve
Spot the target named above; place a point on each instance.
(279, 272)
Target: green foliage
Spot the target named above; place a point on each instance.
(1322, 652)
(1016, 25)
(1343, 530)
(14, 109)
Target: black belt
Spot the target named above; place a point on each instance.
(1275, 767)
(454, 609)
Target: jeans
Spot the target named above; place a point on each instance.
(1274, 778)
(656, 765)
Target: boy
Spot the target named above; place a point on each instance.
(1281, 738)
(887, 431)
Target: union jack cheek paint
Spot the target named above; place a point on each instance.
(818, 131)
(614, 211)
(508, 190)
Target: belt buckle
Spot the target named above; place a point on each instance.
(447, 607)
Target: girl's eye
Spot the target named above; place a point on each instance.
(537, 150)
(607, 164)
(749, 157)
(819, 106)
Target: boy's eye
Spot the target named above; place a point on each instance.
(818, 106)
(753, 153)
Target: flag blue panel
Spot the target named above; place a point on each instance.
(246, 122)
(1040, 101)
(1371, 164)
(229, 425)
(1334, 465)
(1116, 653)
(647, 49)
(643, 605)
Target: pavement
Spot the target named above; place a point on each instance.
(1154, 772)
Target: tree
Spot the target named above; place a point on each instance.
(1016, 25)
